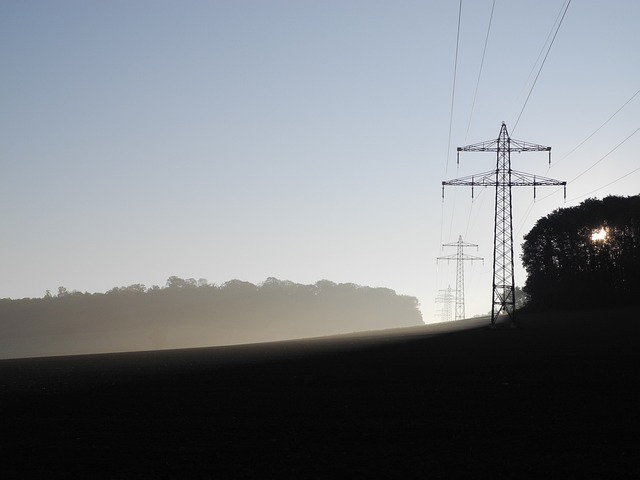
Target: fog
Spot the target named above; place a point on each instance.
(189, 313)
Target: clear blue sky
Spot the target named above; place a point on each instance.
(297, 139)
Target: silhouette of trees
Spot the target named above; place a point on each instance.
(585, 256)
(234, 312)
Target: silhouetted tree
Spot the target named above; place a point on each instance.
(176, 282)
(585, 256)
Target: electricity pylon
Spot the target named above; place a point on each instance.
(503, 178)
(460, 257)
(445, 298)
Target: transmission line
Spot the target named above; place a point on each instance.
(598, 129)
(453, 90)
(535, 80)
(605, 186)
(524, 219)
(473, 201)
(453, 209)
(546, 42)
(610, 152)
(484, 51)
(596, 163)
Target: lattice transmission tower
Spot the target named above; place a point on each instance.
(445, 298)
(503, 178)
(460, 258)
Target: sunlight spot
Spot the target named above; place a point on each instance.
(599, 235)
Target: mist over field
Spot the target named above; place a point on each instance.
(193, 313)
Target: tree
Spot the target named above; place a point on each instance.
(188, 315)
(176, 282)
(585, 256)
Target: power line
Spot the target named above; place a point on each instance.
(598, 129)
(453, 90)
(558, 22)
(453, 209)
(605, 186)
(596, 163)
(473, 201)
(592, 191)
(475, 95)
(524, 219)
(610, 152)
(546, 42)
(535, 80)
(484, 51)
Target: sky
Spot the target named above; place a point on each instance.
(297, 139)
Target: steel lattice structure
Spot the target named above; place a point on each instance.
(459, 257)
(503, 178)
(445, 297)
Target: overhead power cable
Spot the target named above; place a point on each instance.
(605, 186)
(605, 156)
(535, 80)
(598, 129)
(471, 226)
(484, 51)
(525, 217)
(453, 89)
(596, 163)
(542, 49)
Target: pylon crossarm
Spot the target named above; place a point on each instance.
(463, 256)
(520, 146)
(485, 179)
(521, 179)
(459, 243)
(518, 179)
(488, 146)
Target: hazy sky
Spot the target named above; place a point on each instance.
(297, 139)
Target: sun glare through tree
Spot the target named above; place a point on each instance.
(585, 256)
(599, 235)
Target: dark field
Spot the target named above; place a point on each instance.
(559, 398)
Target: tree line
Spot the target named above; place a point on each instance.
(587, 256)
(233, 312)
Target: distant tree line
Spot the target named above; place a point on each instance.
(585, 256)
(233, 312)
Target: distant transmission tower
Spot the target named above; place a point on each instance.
(460, 257)
(503, 178)
(445, 297)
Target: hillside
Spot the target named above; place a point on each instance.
(558, 398)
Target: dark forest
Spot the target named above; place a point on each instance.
(587, 256)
